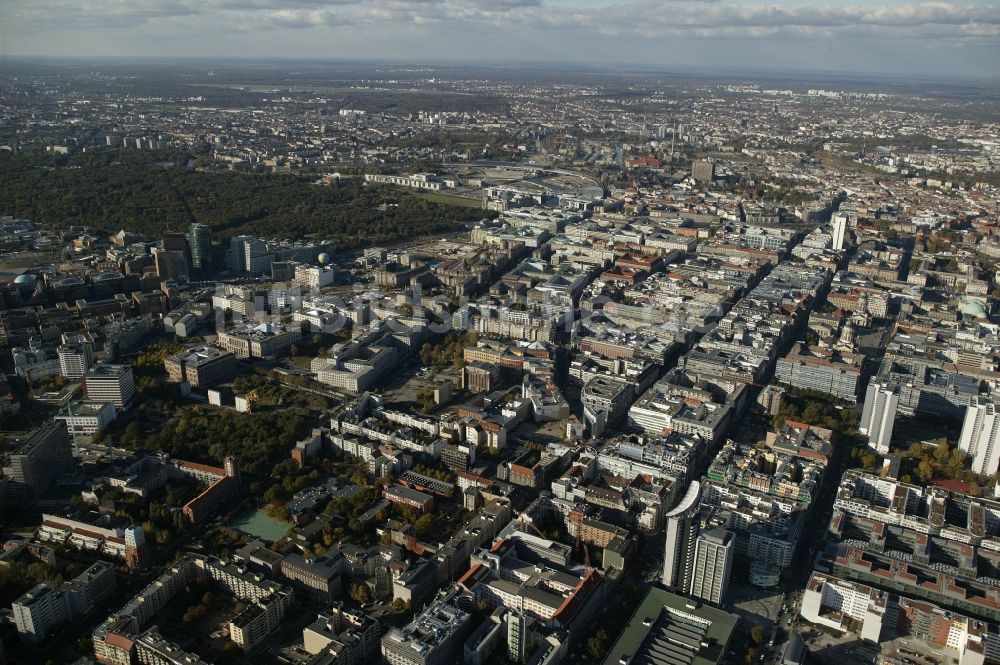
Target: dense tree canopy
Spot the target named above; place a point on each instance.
(201, 434)
(815, 408)
(150, 193)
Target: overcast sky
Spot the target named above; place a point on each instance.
(931, 39)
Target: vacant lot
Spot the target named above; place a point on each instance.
(452, 199)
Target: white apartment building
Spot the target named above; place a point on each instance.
(75, 359)
(36, 612)
(314, 276)
(980, 432)
(416, 181)
(830, 602)
(89, 418)
(879, 415)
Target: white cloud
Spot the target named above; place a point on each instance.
(437, 21)
(304, 18)
(763, 20)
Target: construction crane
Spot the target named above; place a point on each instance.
(71, 423)
(71, 426)
(531, 524)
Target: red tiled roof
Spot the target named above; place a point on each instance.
(223, 483)
(204, 468)
(119, 641)
(500, 544)
(572, 602)
(953, 485)
(469, 573)
(88, 534)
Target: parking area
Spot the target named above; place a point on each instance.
(917, 652)
(409, 385)
(751, 602)
(830, 648)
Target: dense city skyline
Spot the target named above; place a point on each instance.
(523, 332)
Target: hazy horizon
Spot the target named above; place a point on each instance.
(500, 65)
(929, 40)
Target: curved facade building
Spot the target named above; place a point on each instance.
(682, 526)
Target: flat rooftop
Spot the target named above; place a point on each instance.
(109, 371)
(198, 355)
(668, 629)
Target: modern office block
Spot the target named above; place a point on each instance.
(434, 636)
(200, 240)
(202, 366)
(37, 461)
(713, 565)
(110, 383)
(839, 231)
(682, 525)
